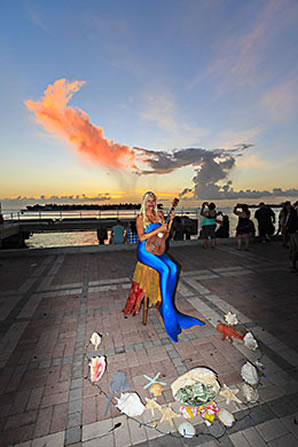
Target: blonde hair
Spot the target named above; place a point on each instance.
(143, 214)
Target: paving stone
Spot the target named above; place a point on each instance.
(53, 440)
(239, 440)
(75, 394)
(76, 383)
(291, 423)
(96, 429)
(121, 434)
(74, 419)
(106, 441)
(72, 435)
(284, 441)
(75, 406)
(165, 441)
(271, 429)
(137, 432)
(253, 437)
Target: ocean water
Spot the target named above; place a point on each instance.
(76, 238)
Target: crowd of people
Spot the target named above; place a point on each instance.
(245, 230)
(215, 224)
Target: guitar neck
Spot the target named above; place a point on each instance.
(175, 203)
(169, 215)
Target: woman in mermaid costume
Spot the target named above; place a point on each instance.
(149, 223)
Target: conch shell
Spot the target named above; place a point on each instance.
(130, 404)
(95, 340)
(249, 374)
(250, 342)
(251, 394)
(97, 368)
(226, 417)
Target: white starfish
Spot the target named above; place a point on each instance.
(231, 319)
(168, 415)
(230, 394)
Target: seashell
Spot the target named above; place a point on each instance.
(156, 389)
(231, 319)
(250, 342)
(97, 368)
(249, 374)
(226, 417)
(251, 394)
(130, 404)
(95, 340)
(187, 430)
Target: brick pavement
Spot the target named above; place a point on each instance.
(51, 303)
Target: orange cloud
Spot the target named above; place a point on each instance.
(73, 125)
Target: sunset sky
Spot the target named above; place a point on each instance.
(103, 100)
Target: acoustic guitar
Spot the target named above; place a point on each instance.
(157, 243)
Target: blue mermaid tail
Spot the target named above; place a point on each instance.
(174, 321)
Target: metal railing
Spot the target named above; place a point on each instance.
(17, 216)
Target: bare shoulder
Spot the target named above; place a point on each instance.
(139, 218)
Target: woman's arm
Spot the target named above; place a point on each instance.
(144, 236)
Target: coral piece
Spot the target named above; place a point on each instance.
(231, 319)
(228, 332)
(251, 394)
(250, 342)
(168, 415)
(249, 374)
(187, 430)
(226, 417)
(130, 404)
(95, 340)
(156, 389)
(151, 404)
(230, 394)
(97, 368)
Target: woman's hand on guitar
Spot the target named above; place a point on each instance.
(163, 228)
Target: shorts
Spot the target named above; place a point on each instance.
(293, 242)
(208, 231)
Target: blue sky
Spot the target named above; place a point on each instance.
(159, 75)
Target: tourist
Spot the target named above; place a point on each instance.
(117, 236)
(178, 229)
(131, 236)
(223, 230)
(244, 228)
(282, 220)
(150, 223)
(266, 220)
(292, 231)
(208, 223)
(102, 234)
